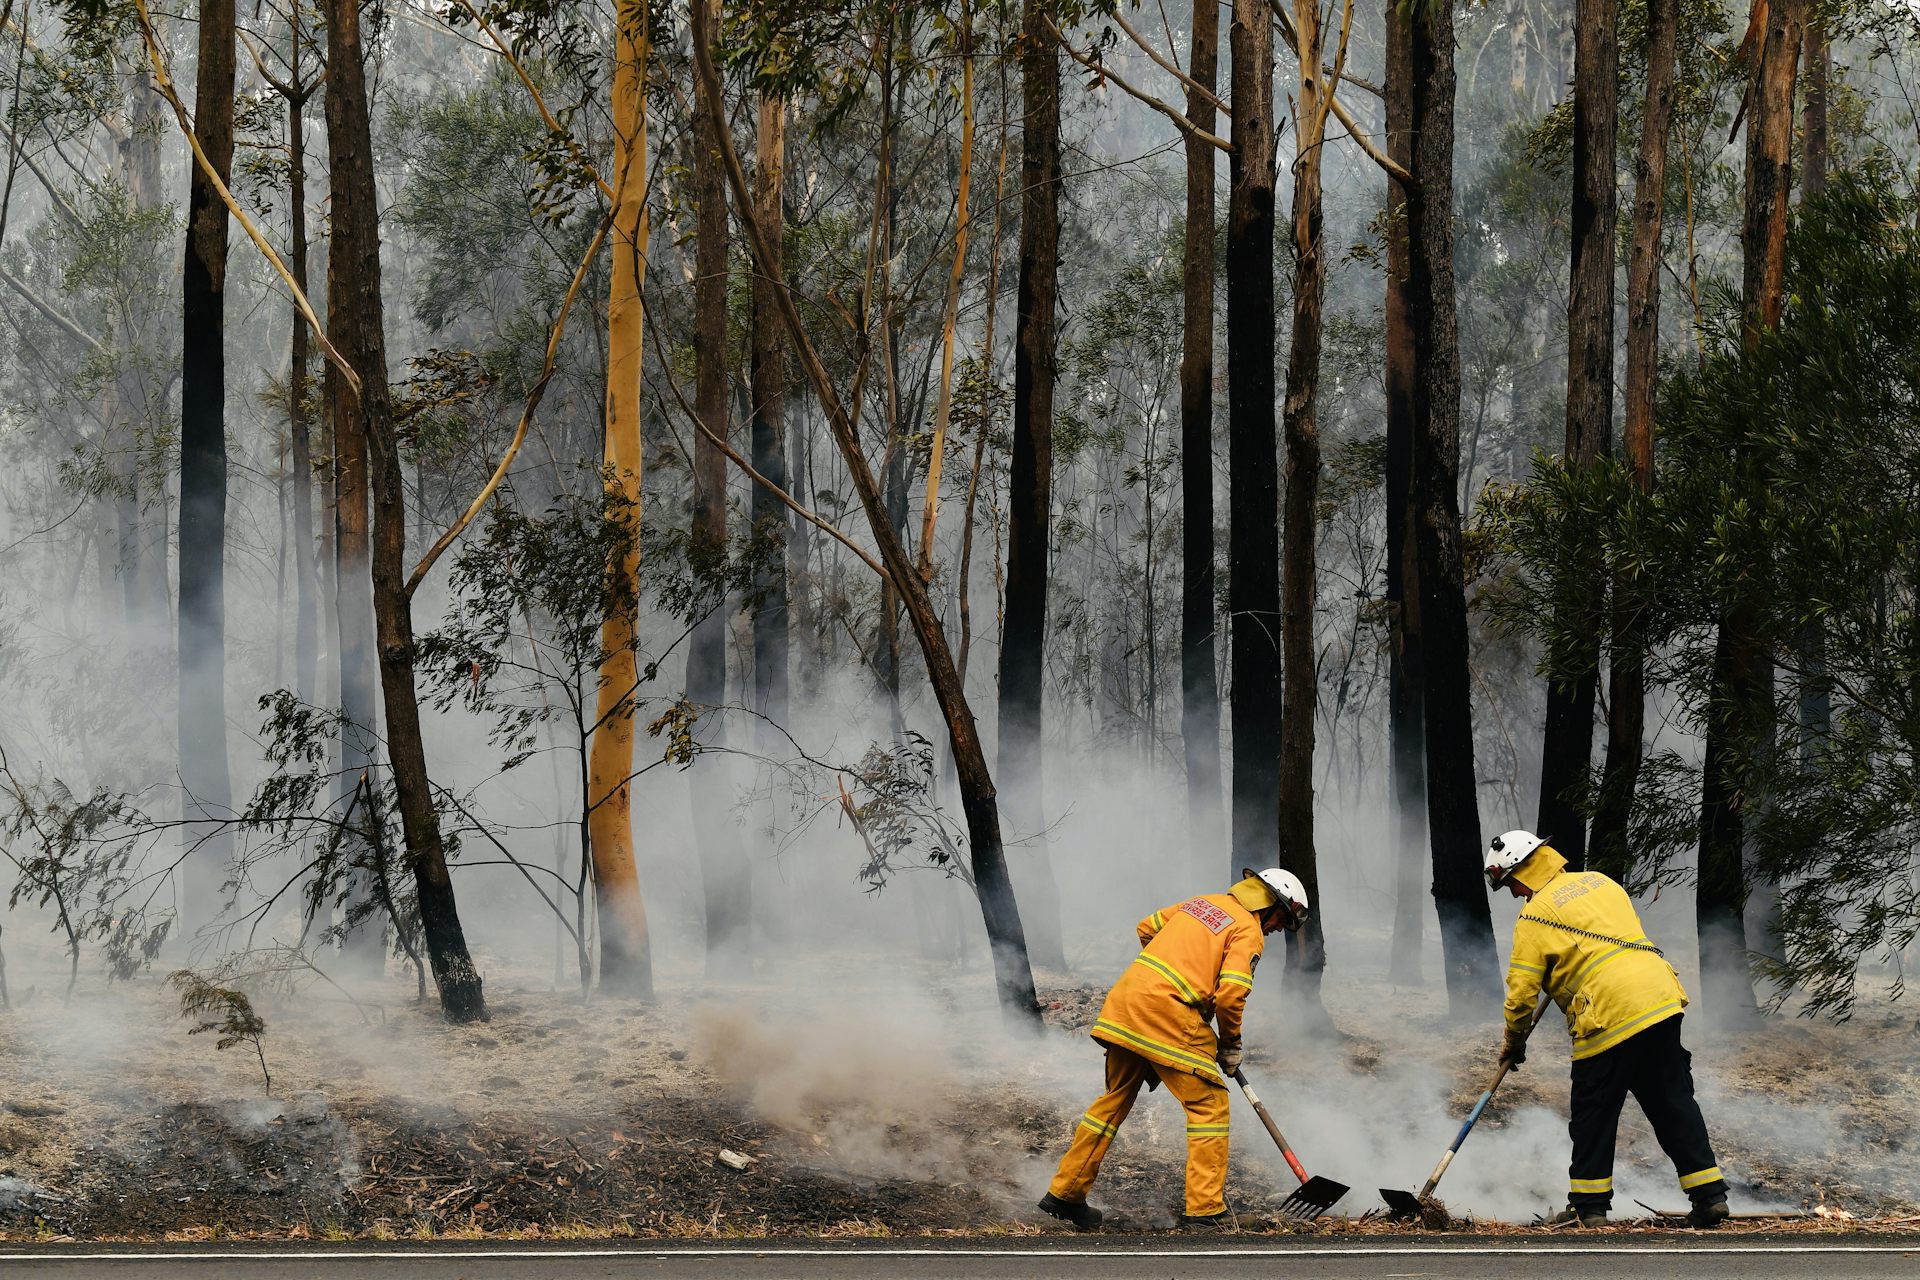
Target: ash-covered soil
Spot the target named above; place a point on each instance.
(862, 1105)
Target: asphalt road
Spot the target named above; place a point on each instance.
(1685, 1257)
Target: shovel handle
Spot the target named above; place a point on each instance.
(1273, 1130)
(1479, 1108)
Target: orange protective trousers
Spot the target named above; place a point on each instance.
(1207, 1114)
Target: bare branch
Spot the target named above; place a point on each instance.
(54, 315)
(1166, 109)
(534, 397)
(1160, 61)
(163, 81)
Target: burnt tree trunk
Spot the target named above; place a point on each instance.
(357, 325)
(306, 622)
(1627, 678)
(1406, 731)
(202, 721)
(1816, 694)
(1299, 581)
(768, 376)
(724, 872)
(1199, 680)
(1740, 717)
(1030, 479)
(1453, 812)
(1566, 752)
(999, 910)
(1253, 583)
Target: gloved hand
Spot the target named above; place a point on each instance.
(1513, 1050)
(1229, 1058)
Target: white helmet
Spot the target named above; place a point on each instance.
(1509, 851)
(1287, 888)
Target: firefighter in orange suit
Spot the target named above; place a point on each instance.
(1195, 966)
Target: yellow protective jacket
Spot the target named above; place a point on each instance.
(1572, 939)
(1196, 964)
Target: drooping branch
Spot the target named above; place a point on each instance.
(54, 315)
(1391, 167)
(1160, 60)
(1164, 107)
(554, 126)
(163, 81)
(534, 396)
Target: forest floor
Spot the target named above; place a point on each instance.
(863, 1108)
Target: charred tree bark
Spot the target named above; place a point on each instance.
(1030, 480)
(353, 582)
(1815, 138)
(1816, 694)
(626, 958)
(202, 721)
(999, 911)
(1453, 812)
(768, 375)
(1610, 852)
(357, 326)
(1253, 585)
(1566, 752)
(1740, 716)
(306, 638)
(1199, 607)
(724, 872)
(1407, 786)
(1299, 580)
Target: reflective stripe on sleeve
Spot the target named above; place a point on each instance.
(1238, 978)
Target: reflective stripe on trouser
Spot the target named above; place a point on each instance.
(1207, 1115)
(1657, 1070)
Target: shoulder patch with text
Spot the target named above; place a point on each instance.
(1207, 914)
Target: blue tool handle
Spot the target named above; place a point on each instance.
(1473, 1117)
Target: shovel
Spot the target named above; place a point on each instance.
(1404, 1205)
(1316, 1195)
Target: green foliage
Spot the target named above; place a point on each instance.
(522, 639)
(79, 856)
(891, 808)
(1788, 477)
(223, 1011)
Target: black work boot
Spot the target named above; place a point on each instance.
(1221, 1221)
(1708, 1216)
(1082, 1215)
(1573, 1216)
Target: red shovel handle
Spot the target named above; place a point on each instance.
(1260, 1109)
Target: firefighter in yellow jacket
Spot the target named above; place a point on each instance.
(1195, 965)
(1580, 938)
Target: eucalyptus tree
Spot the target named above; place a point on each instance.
(204, 778)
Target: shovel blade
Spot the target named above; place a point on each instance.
(1402, 1206)
(1315, 1197)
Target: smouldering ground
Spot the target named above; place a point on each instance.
(867, 1106)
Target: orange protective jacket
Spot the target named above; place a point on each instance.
(1196, 965)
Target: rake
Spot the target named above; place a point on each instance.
(1316, 1195)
